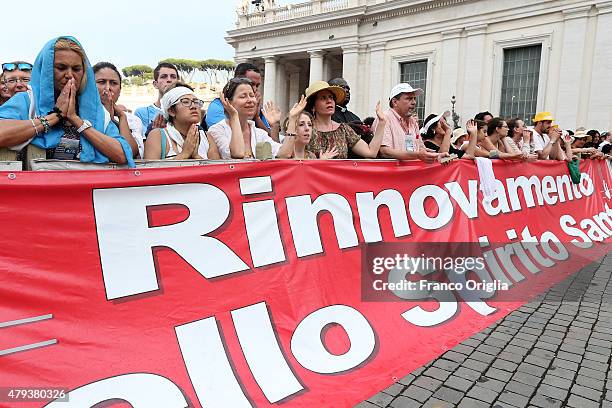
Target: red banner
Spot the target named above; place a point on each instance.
(238, 285)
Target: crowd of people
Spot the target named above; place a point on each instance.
(64, 105)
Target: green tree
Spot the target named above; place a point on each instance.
(137, 70)
(186, 67)
(218, 71)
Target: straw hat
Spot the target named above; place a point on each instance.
(318, 86)
(580, 133)
(543, 116)
(457, 133)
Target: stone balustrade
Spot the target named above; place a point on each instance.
(292, 11)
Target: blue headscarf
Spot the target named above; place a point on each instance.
(89, 105)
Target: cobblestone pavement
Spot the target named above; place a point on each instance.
(552, 352)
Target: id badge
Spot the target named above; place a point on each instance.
(410, 143)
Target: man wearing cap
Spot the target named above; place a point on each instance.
(546, 137)
(400, 140)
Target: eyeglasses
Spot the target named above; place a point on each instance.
(11, 66)
(186, 102)
(12, 81)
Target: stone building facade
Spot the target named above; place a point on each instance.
(510, 57)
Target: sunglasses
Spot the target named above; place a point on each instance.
(11, 66)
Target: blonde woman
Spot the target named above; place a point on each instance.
(63, 112)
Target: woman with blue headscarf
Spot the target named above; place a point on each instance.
(62, 112)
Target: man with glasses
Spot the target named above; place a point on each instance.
(15, 77)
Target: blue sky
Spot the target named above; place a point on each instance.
(121, 31)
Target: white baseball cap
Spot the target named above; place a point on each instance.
(404, 88)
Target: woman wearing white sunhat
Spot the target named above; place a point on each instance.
(182, 138)
(321, 102)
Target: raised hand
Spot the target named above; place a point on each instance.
(191, 142)
(298, 108)
(444, 125)
(62, 100)
(526, 136)
(272, 113)
(71, 112)
(330, 153)
(230, 111)
(159, 122)
(380, 114)
(107, 100)
(471, 127)
(554, 134)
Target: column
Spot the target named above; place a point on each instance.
(294, 87)
(448, 71)
(571, 69)
(601, 79)
(281, 87)
(469, 105)
(350, 64)
(269, 91)
(377, 75)
(316, 65)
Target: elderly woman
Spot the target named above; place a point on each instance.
(237, 137)
(63, 113)
(182, 138)
(321, 100)
(108, 81)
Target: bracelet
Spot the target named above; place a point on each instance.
(45, 123)
(57, 111)
(494, 154)
(287, 134)
(34, 126)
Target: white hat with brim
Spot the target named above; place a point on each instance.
(318, 86)
(457, 133)
(580, 133)
(404, 88)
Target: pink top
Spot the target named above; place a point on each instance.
(396, 130)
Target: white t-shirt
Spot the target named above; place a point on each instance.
(539, 141)
(221, 133)
(136, 128)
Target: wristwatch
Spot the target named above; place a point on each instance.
(86, 125)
